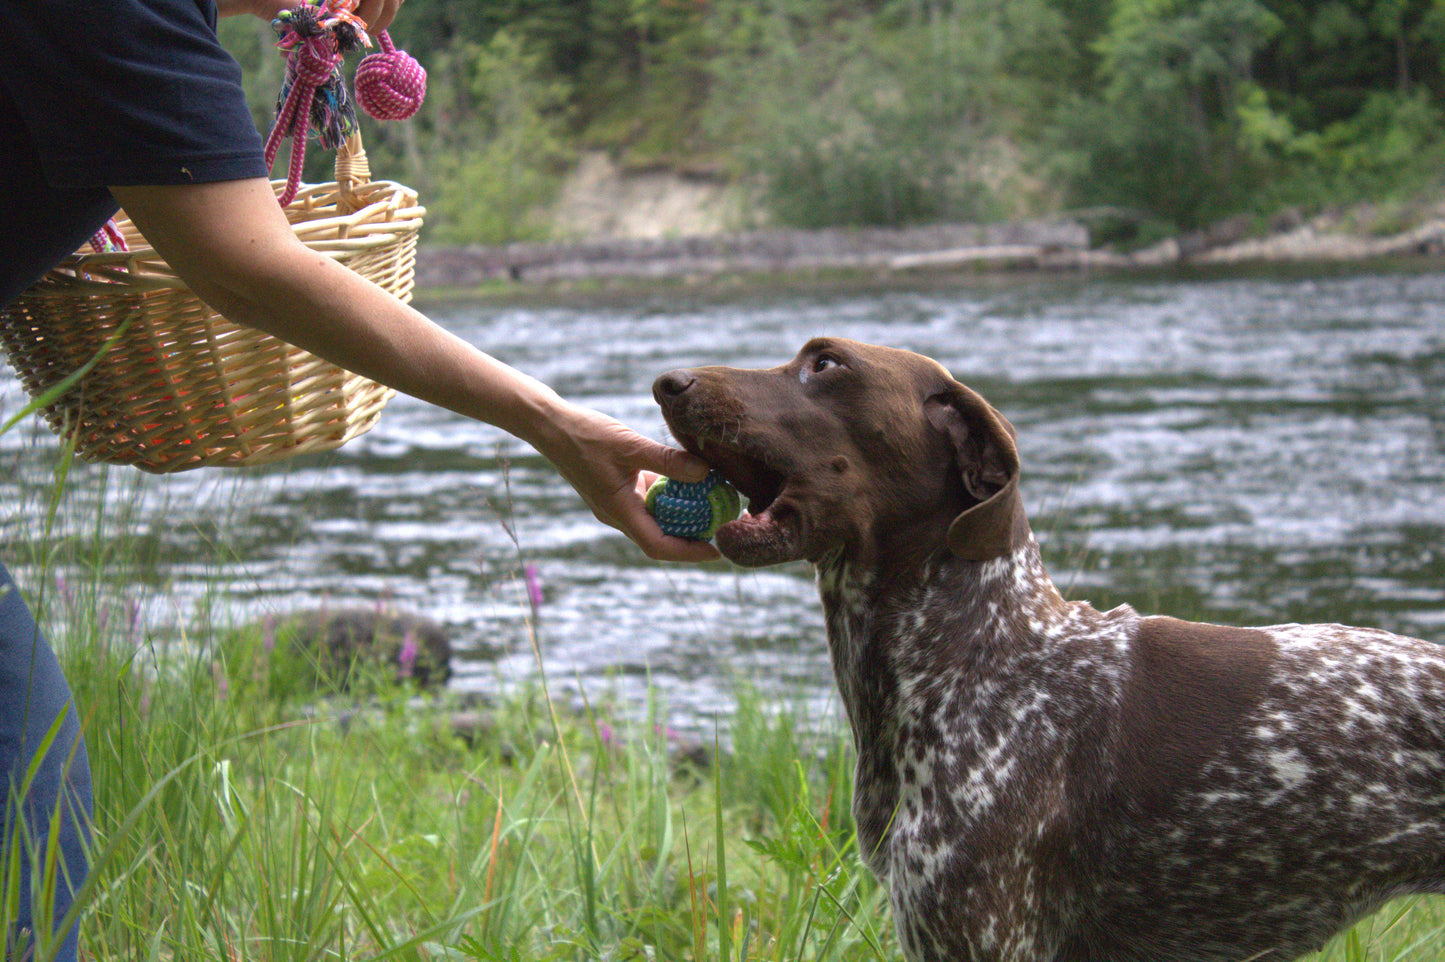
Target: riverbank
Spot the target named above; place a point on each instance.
(642, 250)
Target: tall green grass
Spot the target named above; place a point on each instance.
(238, 821)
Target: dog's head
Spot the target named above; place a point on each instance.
(870, 450)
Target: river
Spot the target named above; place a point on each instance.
(1245, 450)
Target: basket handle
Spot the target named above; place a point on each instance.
(352, 172)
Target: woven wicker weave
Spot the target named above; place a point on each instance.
(184, 387)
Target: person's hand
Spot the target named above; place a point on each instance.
(376, 14)
(612, 466)
(265, 9)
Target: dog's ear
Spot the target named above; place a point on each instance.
(988, 461)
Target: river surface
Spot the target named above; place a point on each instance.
(1249, 451)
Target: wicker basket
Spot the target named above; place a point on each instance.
(184, 387)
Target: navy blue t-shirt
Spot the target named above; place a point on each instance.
(108, 92)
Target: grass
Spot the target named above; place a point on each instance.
(241, 820)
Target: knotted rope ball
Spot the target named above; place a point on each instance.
(693, 510)
(390, 85)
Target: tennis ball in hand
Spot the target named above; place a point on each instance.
(693, 510)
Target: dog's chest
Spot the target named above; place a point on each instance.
(967, 701)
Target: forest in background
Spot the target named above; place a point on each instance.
(1145, 117)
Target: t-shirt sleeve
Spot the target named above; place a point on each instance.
(128, 92)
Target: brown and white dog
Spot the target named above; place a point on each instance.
(1036, 779)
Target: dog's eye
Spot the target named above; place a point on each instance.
(821, 363)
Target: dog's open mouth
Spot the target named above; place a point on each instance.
(767, 532)
(752, 477)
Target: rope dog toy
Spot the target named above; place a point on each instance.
(316, 37)
(693, 510)
(390, 85)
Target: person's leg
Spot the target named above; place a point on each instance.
(33, 695)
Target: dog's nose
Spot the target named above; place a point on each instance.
(671, 384)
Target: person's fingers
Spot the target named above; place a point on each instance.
(611, 466)
(673, 463)
(377, 14)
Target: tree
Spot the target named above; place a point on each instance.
(850, 117)
(1162, 135)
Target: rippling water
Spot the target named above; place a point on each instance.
(1250, 451)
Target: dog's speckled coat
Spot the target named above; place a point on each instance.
(1038, 780)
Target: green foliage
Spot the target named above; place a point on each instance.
(229, 825)
(879, 121)
(1330, 58)
(1162, 135)
(858, 112)
(1206, 109)
(492, 145)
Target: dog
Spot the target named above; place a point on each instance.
(1036, 780)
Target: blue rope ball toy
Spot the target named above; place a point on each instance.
(695, 509)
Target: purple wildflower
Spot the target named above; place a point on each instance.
(534, 586)
(135, 634)
(406, 658)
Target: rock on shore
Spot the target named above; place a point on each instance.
(325, 648)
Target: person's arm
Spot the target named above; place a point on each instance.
(232, 245)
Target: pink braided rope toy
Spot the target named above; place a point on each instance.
(313, 61)
(390, 85)
(108, 238)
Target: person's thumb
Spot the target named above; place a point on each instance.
(677, 464)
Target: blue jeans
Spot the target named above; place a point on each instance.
(33, 694)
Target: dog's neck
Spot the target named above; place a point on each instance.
(904, 638)
(889, 627)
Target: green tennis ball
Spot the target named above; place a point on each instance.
(693, 509)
